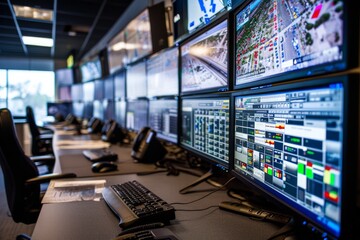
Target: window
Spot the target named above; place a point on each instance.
(3, 92)
(33, 88)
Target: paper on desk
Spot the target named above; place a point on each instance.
(70, 191)
(81, 144)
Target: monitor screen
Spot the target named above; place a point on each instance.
(163, 118)
(77, 92)
(201, 12)
(273, 39)
(91, 69)
(64, 76)
(98, 109)
(137, 114)
(88, 91)
(162, 73)
(109, 109)
(204, 60)
(88, 110)
(136, 80)
(99, 90)
(117, 54)
(109, 88)
(64, 93)
(120, 113)
(119, 85)
(138, 37)
(289, 142)
(58, 108)
(205, 127)
(78, 109)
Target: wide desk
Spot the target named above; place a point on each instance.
(94, 220)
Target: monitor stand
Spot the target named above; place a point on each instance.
(214, 171)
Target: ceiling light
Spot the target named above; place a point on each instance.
(38, 41)
(35, 13)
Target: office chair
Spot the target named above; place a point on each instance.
(21, 176)
(41, 138)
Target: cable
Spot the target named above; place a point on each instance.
(218, 189)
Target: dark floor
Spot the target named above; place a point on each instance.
(8, 228)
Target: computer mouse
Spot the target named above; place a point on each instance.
(103, 167)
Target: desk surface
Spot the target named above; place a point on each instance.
(94, 220)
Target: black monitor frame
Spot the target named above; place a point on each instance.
(350, 156)
(209, 27)
(350, 50)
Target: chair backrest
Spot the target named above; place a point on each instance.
(30, 118)
(23, 201)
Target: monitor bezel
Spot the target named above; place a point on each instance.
(210, 26)
(350, 141)
(227, 166)
(350, 57)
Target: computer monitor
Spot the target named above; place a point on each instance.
(88, 91)
(64, 93)
(58, 108)
(120, 113)
(136, 80)
(98, 109)
(298, 143)
(91, 69)
(205, 123)
(109, 87)
(109, 109)
(77, 92)
(119, 85)
(117, 53)
(64, 76)
(88, 110)
(162, 73)
(78, 109)
(99, 89)
(204, 60)
(137, 114)
(163, 118)
(276, 41)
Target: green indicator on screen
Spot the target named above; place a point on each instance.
(301, 168)
(295, 140)
(310, 152)
(309, 173)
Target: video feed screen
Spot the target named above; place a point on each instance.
(109, 109)
(205, 127)
(64, 93)
(109, 88)
(204, 60)
(98, 109)
(99, 90)
(58, 108)
(77, 92)
(119, 85)
(162, 73)
(202, 11)
(120, 113)
(64, 76)
(163, 118)
(91, 70)
(290, 143)
(137, 114)
(274, 37)
(136, 81)
(89, 91)
(88, 110)
(138, 37)
(117, 53)
(78, 109)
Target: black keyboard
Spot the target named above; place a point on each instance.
(134, 205)
(99, 155)
(154, 234)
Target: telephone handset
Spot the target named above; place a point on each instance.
(70, 119)
(146, 147)
(94, 125)
(111, 132)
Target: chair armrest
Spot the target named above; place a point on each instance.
(43, 158)
(47, 177)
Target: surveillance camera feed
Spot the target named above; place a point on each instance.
(277, 36)
(290, 144)
(201, 12)
(204, 60)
